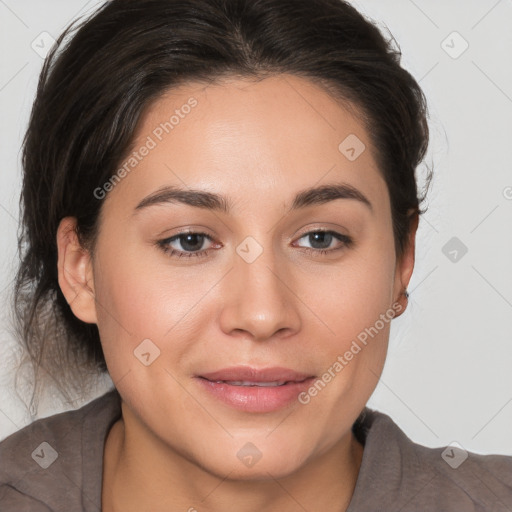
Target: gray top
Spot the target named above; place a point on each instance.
(56, 464)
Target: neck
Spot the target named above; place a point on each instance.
(142, 473)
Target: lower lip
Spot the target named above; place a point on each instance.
(256, 398)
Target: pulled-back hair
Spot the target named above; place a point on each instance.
(104, 73)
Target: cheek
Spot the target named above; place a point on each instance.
(354, 305)
(138, 302)
(351, 298)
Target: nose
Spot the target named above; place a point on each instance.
(259, 300)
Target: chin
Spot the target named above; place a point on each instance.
(259, 472)
(248, 463)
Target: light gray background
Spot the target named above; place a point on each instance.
(448, 375)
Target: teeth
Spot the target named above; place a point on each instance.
(248, 383)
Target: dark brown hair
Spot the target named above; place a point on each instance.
(106, 71)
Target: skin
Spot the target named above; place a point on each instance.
(176, 446)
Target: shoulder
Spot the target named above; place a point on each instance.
(402, 473)
(47, 465)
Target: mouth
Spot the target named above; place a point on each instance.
(250, 383)
(255, 390)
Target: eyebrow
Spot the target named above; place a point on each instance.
(216, 202)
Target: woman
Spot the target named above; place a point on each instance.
(220, 209)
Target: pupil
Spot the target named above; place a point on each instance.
(196, 243)
(321, 237)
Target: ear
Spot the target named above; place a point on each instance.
(405, 265)
(75, 272)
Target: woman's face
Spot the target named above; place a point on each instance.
(187, 321)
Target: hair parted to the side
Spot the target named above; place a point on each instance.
(105, 72)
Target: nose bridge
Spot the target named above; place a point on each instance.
(259, 301)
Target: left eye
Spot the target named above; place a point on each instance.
(324, 239)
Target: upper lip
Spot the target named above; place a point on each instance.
(249, 374)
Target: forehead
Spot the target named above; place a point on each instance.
(241, 136)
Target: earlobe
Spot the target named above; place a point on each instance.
(75, 272)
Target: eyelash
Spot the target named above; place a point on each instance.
(164, 244)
